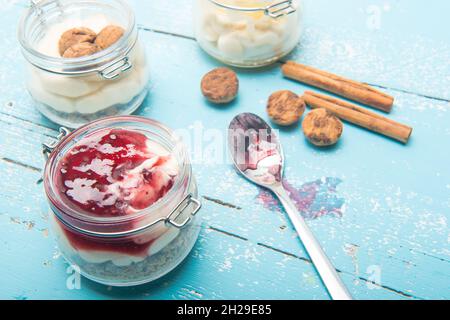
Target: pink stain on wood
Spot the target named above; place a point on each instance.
(313, 199)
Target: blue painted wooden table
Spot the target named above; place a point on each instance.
(380, 209)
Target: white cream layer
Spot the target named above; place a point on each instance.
(247, 36)
(117, 258)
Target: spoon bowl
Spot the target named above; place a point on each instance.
(256, 151)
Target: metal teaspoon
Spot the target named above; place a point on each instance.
(258, 156)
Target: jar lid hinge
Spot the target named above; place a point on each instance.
(178, 211)
(280, 9)
(40, 8)
(47, 148)
(114, 69)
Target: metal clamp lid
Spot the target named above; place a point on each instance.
(275, 10)
(40, 8)
(47, 148)
(177, 212)
(114, 69)
(280, 9)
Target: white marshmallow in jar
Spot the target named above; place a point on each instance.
(248, 33)
(84, 59)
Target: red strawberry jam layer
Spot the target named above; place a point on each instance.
(126, 247)
(114, 173)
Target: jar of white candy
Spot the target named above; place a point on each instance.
(84, 59)
(247, 33)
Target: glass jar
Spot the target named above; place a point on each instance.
(75, 91)
(246, 33)
(116, 249)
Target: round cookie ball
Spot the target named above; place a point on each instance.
(108, 36)
(220, 85)
(322, 128)
(75, 36)
(285, 108)
(81, 50)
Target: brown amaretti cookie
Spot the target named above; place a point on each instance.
(220, 85)
(285, 108)
(108, 36)
(81, 50)
(74, 36)
(322, 128)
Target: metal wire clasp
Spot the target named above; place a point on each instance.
(178, 211)
(40, 8)
(47, 148)
(114, 69)
(280, 9)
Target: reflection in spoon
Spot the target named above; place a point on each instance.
(256, 150)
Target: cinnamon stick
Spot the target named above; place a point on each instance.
(359, 116)
(350, 89)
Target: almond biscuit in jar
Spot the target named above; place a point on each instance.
(84, 59)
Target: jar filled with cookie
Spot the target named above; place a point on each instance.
(84, 59)
(246, 33)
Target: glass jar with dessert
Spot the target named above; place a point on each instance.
(123, 199)
(84, 59)
(247, 33)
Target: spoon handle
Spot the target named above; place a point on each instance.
(327, 272)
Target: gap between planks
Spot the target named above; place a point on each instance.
(41, 126)
(20, 164)
(307, 260)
